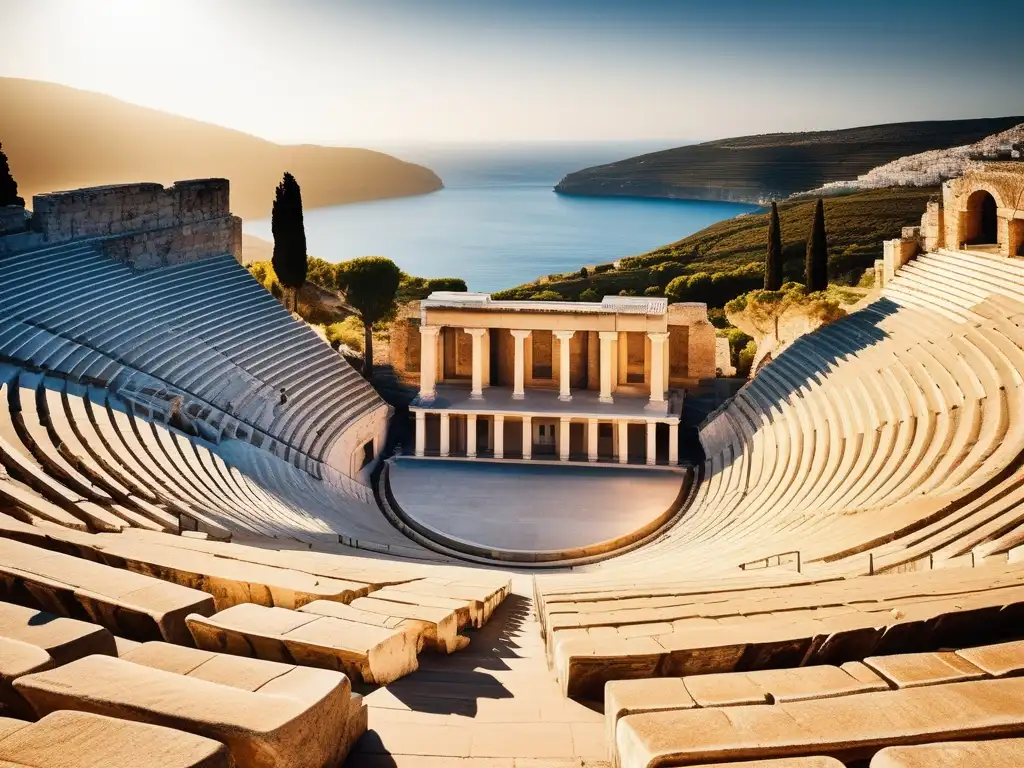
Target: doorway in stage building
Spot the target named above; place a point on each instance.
(483, 436)
(606, 442)
(545, 436)
(577, 439)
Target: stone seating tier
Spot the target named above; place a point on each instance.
(195, 327)
(266, 713)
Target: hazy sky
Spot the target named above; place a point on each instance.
(377, 72)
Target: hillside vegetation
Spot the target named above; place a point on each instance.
(60, 138)
(727, 259)
(773, 166)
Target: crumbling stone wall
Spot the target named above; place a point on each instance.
(142, 225)
(176, 244)
(932, 227)
(12, 219)
(405, 341)
(116, 210)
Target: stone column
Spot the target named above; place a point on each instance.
(666, 362)
(657, 369)
(673, 443)
(471, 436)
(518, 391)
(428, 361)
(421, 433)
(652, 442)
(478, 334)
(563, 366)
(563, 439)
(591, 439)
(607, 337)
(527, 437)
(445, 434)
(623, 441)
(499, 437)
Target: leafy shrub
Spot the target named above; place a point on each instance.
(652, 291)
(456, 284)
(717, 318)
(349, 332)
(602, 268)
(746, 358)
(590, 295)
(662, 274)
(547, 296)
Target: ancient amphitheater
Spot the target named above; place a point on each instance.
(195, 571)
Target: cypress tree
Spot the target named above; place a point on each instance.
(289, 259)
(773, 261)
(816, 266)
(8, 186)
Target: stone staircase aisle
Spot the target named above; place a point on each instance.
(494, 705)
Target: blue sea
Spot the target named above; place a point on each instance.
(498, 222)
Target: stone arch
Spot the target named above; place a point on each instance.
(979, 223)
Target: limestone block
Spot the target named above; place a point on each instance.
(82, 740)
(372, 654)
(916, 669)
(995, 753)
(998, 660)
(133, 605)
(297, 718)
(230, 582)
(433, 628)
(62, 638)
(975, 709)
(18, 659)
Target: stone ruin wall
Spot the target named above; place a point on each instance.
(12, 220)
(143, 225)
(404, 343)
(700, 347)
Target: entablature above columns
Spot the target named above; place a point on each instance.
(544, 321)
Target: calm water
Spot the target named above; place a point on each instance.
(498, 223)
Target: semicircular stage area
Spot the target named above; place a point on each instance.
(517, 508)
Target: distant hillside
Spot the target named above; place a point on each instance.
(773, 166)
(61, 138)
(732, 252)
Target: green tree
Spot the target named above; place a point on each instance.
(773, 261)
(547, 296)
(370, 285)
(816, 265)
(290, 261)
(456, 284)
(590, 294)
(8, 186)
(678, 288)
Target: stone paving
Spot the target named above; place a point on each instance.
(531, 507)
(494, 705)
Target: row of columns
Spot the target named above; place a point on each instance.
(428, 363)
(563, 438)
